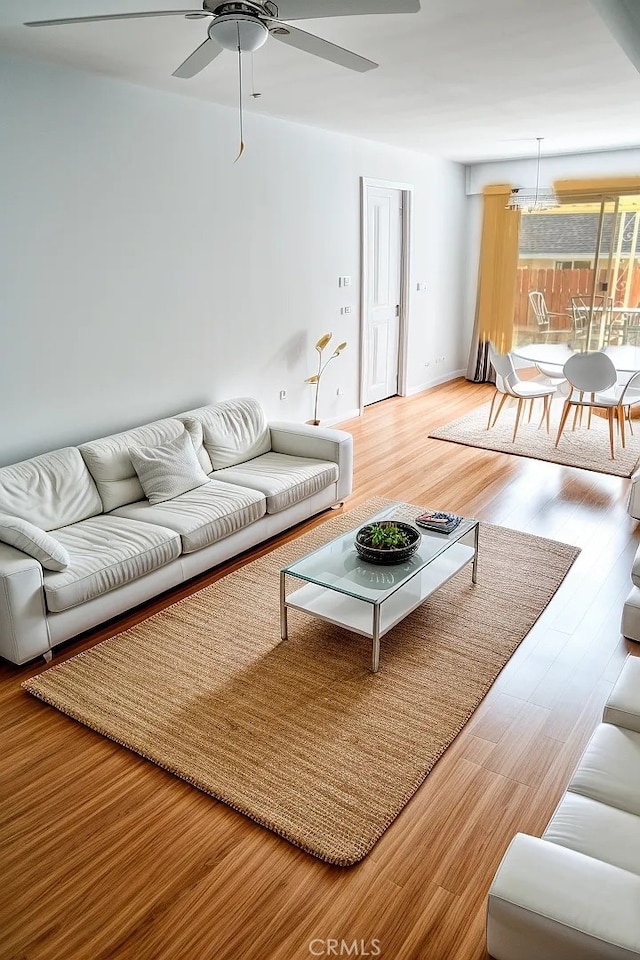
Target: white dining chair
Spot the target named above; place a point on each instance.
(591, 375)
(551, 374)
(630, 397)
(509, 384)
(627, 396)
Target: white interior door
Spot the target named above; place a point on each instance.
(383, 254)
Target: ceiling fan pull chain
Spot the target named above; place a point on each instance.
(240, 96)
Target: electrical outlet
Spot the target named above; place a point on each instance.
(283, 394)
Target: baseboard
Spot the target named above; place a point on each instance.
(357, 412)
(347, 415)
(418, 388)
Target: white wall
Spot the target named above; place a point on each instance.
(143, 272)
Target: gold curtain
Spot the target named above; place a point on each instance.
(592, 191)
(497, 277)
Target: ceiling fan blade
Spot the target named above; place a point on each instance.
(310, 9)
(623, 21)
(199, 59)
(319, 47)
(117, 16)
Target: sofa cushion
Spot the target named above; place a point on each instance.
(202, 516)
(106, 552)
(50, 491)
(284, 480)
(33, 541)
(609, 770)
(233, 430)
(169, 469)
(110, 465)
(597, 830)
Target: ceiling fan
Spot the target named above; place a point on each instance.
(244, 26)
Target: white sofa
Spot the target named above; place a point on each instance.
(574, 894)
(630, 626)
(263, 478)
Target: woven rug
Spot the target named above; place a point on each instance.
(584, 448)
(301, 736)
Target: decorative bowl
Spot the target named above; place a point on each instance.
(387, 555)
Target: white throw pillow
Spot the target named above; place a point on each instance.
(32, 540)
(169, 469)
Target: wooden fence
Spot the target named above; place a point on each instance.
(558, 286)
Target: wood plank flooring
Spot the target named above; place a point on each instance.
(104, 855)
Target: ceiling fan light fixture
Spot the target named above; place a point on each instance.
(233, 29)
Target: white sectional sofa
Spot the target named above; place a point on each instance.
(630, 626)
(261, 478)
(574, 894)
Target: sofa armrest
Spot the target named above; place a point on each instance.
(623, 705)
(549, 901)
(317, 443)
(633, 498)
(24, 633)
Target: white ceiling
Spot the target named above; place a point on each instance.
(464, 79)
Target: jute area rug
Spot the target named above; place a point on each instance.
(300, 736)
(584, 448)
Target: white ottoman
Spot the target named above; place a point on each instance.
(623, 705)
(633, 500)
(630, 626)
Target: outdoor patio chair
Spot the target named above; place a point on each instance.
(631, 327)
(544, 316)
(581, 314)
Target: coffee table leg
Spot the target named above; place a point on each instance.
(283, 608)
(474, 569)
(375, 654)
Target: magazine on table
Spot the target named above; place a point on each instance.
(439, 521)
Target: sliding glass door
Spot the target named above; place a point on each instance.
(579, 274)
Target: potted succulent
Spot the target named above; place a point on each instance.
(387, 541)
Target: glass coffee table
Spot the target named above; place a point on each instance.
(370, 599)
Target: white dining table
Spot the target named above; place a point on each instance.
(626, 358)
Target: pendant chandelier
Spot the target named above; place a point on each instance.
(530, 200)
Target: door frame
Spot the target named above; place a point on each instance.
(406, 190)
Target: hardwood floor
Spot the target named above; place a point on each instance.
(105, 855)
